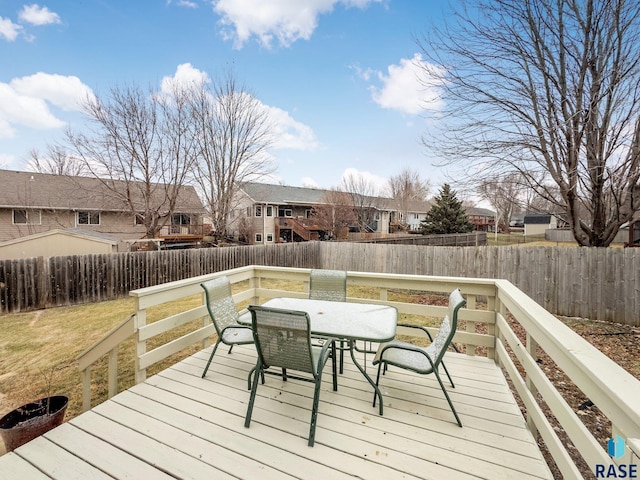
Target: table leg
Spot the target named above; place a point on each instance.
(363, 371)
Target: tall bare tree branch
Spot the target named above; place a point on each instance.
(548, 89)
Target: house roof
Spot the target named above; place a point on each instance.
(287, 195)
(481, 212)
(63, 192)
(282, 194)
(537, 218)
(74, 232)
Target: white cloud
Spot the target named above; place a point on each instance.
(186, 75)
(286, 20)
(26, 101)
(406, 89)
(37, 15)
(5, 159)
(289, 133)
(67, 92)
(309, 182)
(379, 184)
(9, 30)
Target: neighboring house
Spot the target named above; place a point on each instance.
(35, 203)
(482, 219)
(538, 223)
(55, 243)
(267, 213)
(409, 217)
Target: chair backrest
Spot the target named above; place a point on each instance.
(448, 327)
(328, 285)
(222, 308)
(282, 338)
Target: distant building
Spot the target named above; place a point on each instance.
(265, 213)
(35, 203)
(538, 223)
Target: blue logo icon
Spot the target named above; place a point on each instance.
(615, 447)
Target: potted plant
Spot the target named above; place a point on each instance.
(31, 420)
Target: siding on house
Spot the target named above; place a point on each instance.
(55, 202)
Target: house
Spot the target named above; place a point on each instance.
(35, 203)
(408, 216)
(538, 223)
(482, 219)
(266, 213)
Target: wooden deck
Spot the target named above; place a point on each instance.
(177, 425)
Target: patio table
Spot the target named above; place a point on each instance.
(347, 321)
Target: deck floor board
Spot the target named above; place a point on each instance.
(178, 425)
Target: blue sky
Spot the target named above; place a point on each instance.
(338, 76)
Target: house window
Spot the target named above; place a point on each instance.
(258, 238)
(269, 237)
(269, 211)
(258, 210)
(88, 218)
(27, 217)
(180, 219)
(307, 213)
(284, 212)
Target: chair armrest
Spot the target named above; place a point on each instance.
(418, 327)
(406, 347)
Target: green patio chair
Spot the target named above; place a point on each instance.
(329, 285)
(223, 313)
(424, 360)
(283, 339)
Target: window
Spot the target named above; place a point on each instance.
(284, 212)
(258, 238)
(180, 219)
(27, 217)
(269, 211)
(269, 237)
(307, 213)
(88, 218)
(258, 210)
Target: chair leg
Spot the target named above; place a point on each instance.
(378, 381)
(254, 388)
(444, 390)
(314, 413)
(333, 366)
(341, 357)
(230, 348)
(215, 347)
(448, 376)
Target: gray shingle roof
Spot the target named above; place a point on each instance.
(61, 192)
(286, 195)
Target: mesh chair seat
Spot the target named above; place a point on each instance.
(283, 339)
(237, 335)
(424, 360)
(224, 316)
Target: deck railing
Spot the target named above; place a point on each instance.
(493, 306)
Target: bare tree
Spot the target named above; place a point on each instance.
(407, 187)
(140, 145)
(548, 89)
(234, 133)
(335, 214)
(57, 161)
(504, 195)
(363, 198)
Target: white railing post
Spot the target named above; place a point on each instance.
(141, 346)
(532, 350)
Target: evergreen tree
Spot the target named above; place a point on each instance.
(446, 216)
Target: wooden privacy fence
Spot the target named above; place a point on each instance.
(55, 281)
(596, 283)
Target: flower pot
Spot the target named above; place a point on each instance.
(32, 420)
